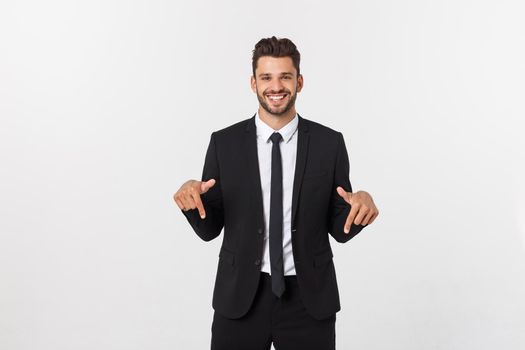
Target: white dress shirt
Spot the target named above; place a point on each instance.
(288, 155)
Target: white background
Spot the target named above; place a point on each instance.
(107, 108)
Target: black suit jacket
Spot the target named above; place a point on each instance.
(235, 204)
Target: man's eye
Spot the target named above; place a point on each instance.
(265, 78)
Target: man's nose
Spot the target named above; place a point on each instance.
(276, 85)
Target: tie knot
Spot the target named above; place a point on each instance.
(276, 137)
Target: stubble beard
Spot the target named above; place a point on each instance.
(278, 112)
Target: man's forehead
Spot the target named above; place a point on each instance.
(275, 65)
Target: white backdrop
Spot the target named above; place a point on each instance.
(107, 108)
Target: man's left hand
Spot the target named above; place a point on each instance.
(363, 211)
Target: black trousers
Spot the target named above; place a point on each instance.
(283, 321)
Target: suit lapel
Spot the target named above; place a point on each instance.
(250, 143)
(300, 163)
(252, 162)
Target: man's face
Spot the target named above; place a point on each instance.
(276, 84)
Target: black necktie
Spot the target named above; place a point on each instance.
(276, 218)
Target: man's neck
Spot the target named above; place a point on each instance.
(276, 122)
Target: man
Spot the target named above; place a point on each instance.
(278, 184)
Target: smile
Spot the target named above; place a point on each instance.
(276, 97)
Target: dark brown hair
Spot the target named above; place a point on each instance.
(276, 48)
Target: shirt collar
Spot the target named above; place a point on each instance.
(265, 131)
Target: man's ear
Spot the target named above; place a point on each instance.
(253, 84)
(300, 82)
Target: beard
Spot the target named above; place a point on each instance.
(277, 111)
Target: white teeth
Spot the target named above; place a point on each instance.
(275, 98)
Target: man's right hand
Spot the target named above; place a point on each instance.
(189, 195)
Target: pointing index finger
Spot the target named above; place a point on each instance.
(198, 203)
(350, 218)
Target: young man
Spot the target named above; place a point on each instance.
(278, 184)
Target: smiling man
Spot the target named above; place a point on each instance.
(277, 102)
(278, 184)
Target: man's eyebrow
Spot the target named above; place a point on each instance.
(281, 74)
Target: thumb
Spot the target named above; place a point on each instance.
(346, 195)
(205, 186)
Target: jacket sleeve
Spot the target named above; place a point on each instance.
(211, 226)
(339, 208)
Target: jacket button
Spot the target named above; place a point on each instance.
(258, 262)
(260, 230)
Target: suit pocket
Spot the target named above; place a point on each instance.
(227, 256)
(323, 258)
(314, 175)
